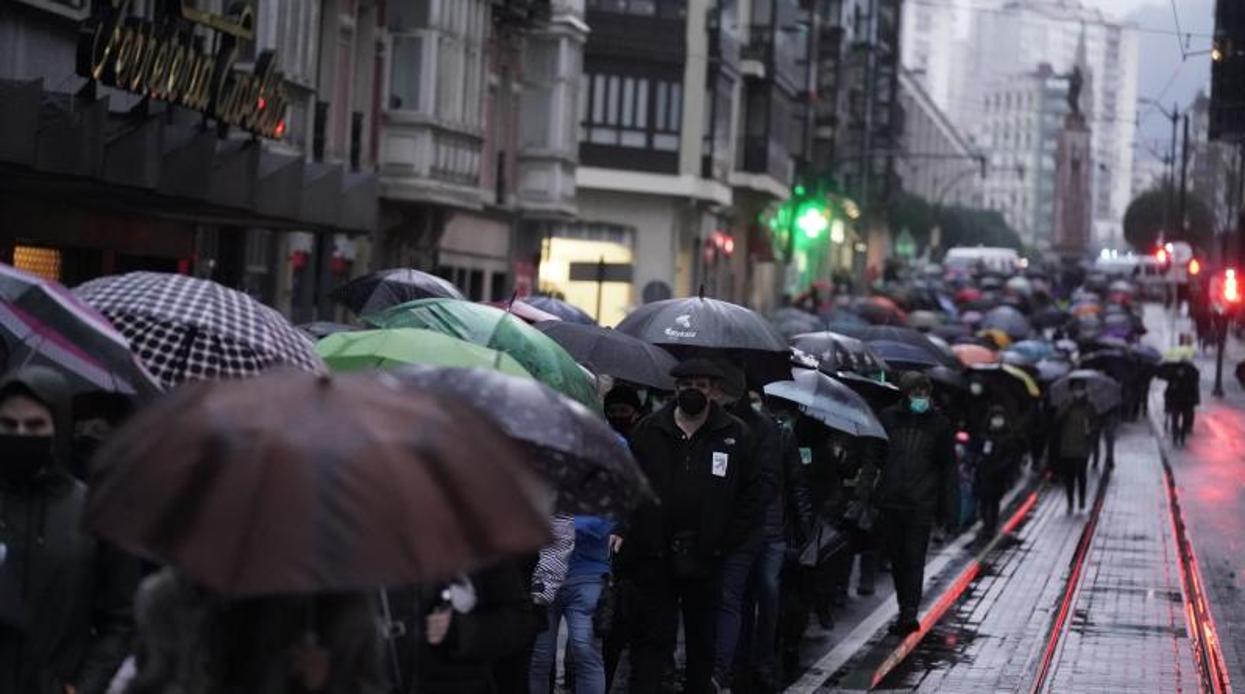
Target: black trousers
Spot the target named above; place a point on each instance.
(1075, 478)
(659, 600)
(905, 535)
(1182, 424)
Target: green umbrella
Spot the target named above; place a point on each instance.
(377, 349)
(496, 329)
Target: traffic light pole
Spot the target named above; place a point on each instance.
(1221, 334)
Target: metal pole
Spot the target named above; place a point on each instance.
(600, 285)
(1171, 180)
(1184, 174)
(1221, 332)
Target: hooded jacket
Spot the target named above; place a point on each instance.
(65, 597)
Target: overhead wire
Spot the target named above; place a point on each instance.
(1013, 10)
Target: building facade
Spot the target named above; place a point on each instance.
(1023, 117)
(1008, 37)
(936, 161)
(109, 165)
(1214, 173)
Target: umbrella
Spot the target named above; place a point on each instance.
(828, 401)
(1009, 320)
(1103, 391)
(521, 309)
(340, 484)
(1088, 308)
(1177, 371)
(1016, 358)
(972, 355)
(1050, 317)
(968, 294)
(317, 330)
(494, 328)
(841, 353)
(925, 320)
(906, 357)
(878, 394)
(972, 318)
(1052, 369)
(907, 336)
(378, 349)
(43, 323)
(1116, 363)
(611, 352)
(997, 337)
(696, 325)
(1036, 350)
(880, 310)
(841, 317)
(792, 321)
(952, 332)
(1020, 285)
(948, 377)
(189, 329)
(563, 310)
(1013, 377)
(1148, 354)
(380, 290)
(576, 451)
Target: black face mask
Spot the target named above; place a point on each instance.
(22, 458)
(692, 401)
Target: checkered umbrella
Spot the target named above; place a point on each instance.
(188, 329)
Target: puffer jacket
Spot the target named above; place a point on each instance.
(919, 474)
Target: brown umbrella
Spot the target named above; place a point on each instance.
(293, 483)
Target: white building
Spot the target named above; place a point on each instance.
(937, 162)
(1023, 116)
(963, 53)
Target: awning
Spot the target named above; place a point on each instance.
(71, 146)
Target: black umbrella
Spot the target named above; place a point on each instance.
(709, 327)
(792, 321)
(878, 394)
(1009, 320)
(1177, 371)
(828, 401)
(576, 452)
(894, 334)
(611, 352)
(564, 310)
(318, 330)
(1103, 391)
(905, 357)
(840, 352)
(380, 290)
(948, 377)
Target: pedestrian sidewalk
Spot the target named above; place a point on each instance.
(1127, 629)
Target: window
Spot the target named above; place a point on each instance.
(630, 111)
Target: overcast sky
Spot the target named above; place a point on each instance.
(1163, 71)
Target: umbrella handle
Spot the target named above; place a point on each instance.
(391, 648)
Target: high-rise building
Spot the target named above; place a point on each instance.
(1023, 115)
(965, 51)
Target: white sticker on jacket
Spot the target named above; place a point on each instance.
(806, 455)
(988, 447)
(719, 464)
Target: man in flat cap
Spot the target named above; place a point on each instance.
(697, 458)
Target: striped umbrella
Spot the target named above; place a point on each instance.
(189, 329)
(43, 323)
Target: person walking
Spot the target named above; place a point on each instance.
(65, 597)
(696, 457)
(997, 452)
(915, 488)
(1073, 440)
(577, 603)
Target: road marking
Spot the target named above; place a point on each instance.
(817, 674)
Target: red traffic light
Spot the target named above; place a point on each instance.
(1231, 287)
(1195, 267)
(1161, 256)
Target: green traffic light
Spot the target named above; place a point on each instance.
(812, 221)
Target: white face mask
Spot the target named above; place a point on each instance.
(997, 422)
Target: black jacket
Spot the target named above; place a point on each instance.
(66, 599)
(919, 473)
(995, 453)
(681, 472)
(789, 514)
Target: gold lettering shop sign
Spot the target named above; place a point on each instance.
(165, 60)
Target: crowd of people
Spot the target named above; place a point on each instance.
(908, 414)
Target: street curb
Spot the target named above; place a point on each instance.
(1025, 499)
(1208, 650)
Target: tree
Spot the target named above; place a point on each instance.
(1147, 213)
(961, 226)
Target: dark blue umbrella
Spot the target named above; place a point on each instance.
(564, 310)
(1052, 369)
(617, 354)
(828, 401)
(906, 357)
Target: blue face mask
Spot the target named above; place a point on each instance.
(919, 405)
